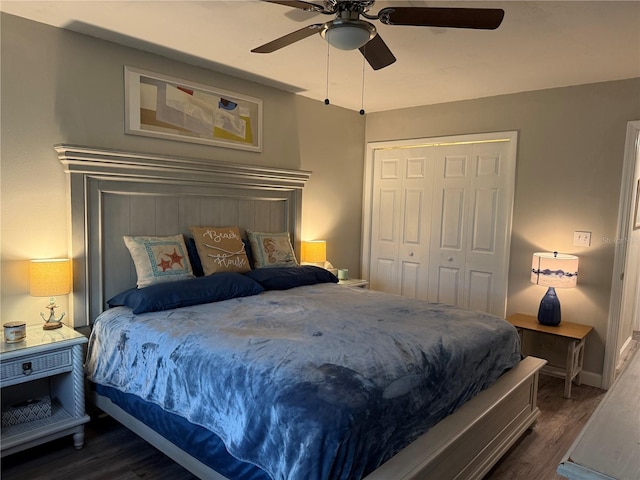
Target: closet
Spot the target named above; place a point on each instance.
(437, 218)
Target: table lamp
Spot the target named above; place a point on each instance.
(48, 278)
(553, 270)
(314, 252)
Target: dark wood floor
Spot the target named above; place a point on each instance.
(540, 450)
(113, 453)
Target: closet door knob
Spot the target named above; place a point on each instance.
(449, 259)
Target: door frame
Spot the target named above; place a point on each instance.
(627, 185)
(367, 201)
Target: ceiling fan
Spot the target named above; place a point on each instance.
(348, 32)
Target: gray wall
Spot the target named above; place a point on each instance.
(64, 87)
(570, 153)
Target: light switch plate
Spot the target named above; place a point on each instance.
(581, 239)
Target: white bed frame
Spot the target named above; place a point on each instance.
(114, 193)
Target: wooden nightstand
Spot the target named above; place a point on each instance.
(47, 362)
(573, 335)
(354, 282)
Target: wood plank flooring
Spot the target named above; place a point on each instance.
(114, 453)
(539, 451)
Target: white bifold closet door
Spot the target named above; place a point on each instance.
(440, 221)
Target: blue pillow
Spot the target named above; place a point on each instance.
(194, 258)
(247, 250)
(283, 278)
(194, 291)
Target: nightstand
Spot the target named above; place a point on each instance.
(572, 335)
(354, 282)
(47, 363)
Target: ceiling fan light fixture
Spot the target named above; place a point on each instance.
(348, 34)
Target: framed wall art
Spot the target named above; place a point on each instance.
(165, 107)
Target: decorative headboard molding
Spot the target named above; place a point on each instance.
(114, 193)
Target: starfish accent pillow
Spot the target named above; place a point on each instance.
(159, 259)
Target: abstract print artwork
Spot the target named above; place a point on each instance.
(165, 107)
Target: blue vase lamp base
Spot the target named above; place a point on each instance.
(549, 311)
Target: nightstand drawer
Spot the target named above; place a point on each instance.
(33, 366)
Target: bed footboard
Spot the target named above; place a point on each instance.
(468, 443)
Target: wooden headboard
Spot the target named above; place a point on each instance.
(115, 193)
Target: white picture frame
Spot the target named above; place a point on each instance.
(636, 212)
(166, 107)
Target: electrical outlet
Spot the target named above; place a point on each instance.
(581, 239)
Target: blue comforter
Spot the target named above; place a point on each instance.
(313, 383)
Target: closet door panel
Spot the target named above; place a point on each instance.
(416, 223)
(386, 221)
(449, 230)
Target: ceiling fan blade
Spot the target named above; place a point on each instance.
(377, 53)
(308, 6)
(286, 40)
(479, 18)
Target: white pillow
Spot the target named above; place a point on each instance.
(271, 249)
(159, 259)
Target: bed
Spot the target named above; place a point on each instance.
(358, 414)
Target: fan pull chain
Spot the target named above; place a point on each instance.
(326, 98)
(363, 65)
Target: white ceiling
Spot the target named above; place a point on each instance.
(539, 45)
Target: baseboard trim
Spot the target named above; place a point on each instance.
(592, 379)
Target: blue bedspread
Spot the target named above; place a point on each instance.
(313, 383)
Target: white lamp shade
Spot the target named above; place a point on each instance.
(50, 277)
(347, 34)
(552, 269)
(314, 251)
